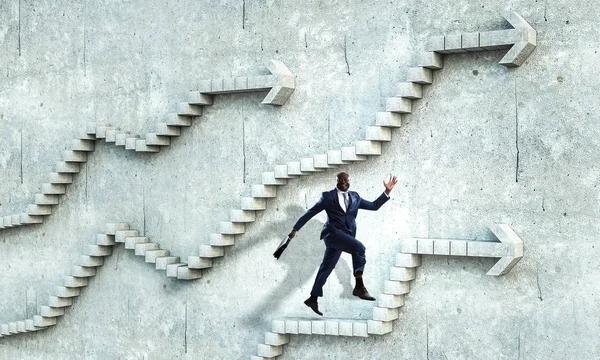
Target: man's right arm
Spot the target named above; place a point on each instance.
(317, 208)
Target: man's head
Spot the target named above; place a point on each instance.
(343, 181)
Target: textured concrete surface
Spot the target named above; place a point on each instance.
(486, 144)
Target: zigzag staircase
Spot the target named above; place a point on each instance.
(524, 39)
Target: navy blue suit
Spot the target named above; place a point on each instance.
(339, 232)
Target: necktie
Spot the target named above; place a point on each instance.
(346, 201)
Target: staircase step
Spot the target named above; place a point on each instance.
(12, 328)
(172, 269)
(111, 135)
(60, 178)
(178, 120)
(275, 339)
(83, 145)
(294, 168)
(308, 165)
(163, 262)
(152, 255)
(30, 219)
(419, 75)
(75, 282)
(155, 139)
(391, 301)
(222, 239)
(141, 248)
(408, 260)
(21, 327)
(385, 314)
(388, 119)
(56, 301)
(99, 250)
(268, 178)
(29, 326)
(334, 157)
(264, 191)
(189, 110)
(185, 273)
(50, 312)
(250, 203)
(121, 235)
(242, 216)
(409, 90)
(162, 129)
(40, 321)
(398, 105)
(281, 172)
(379, 327)
(378, 133)
(69, 168)
(141, 146)
(209, 251)
(105, 240)
(4, 330)
(91, 261)
(132, 241)
(38, 210)
(113, 227)
(349, 154)
(197, 98)
(402, 274)
(232, 228)
(71, 156)
(396, 287)
(102, 129)
(197, 262)
(66, 292)
(43, 199)
(269, 351)
(7, 221)
(130, 142)
(321, 161)
(368, 148)
(431, 60)
(15, 220)
(92, 126)
(53, 189)
(121, 138)
(83, 271)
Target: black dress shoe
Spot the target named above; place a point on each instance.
(314, 305)
(362, 293)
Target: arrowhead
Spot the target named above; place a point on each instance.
(523, 48)
(514, 247)
(287, 83)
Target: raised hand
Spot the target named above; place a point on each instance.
(390, 184)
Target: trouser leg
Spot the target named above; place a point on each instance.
(330, 259)
(349, 244)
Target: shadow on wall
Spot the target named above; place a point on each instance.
(301, 259)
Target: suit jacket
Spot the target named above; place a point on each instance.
(336, 217)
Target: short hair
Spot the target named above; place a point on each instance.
(339, 175)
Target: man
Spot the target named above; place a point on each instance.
(339, 233)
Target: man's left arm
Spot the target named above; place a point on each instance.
(375, 205)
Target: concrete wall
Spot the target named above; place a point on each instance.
(486, 144)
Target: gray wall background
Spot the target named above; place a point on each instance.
(128, 63)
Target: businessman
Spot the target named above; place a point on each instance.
(339, 233)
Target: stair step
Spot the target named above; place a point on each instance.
(294, 169)
(83, 145)
(388, 119)
(71, 156)
(121, 138)
(141, 248)
(6, 221)
(105, 240)
(178, 120)
(378, 133)
(114, 227)
(91, 261)
(268, 178)
(408, 260)
(308, 165)
(21, 327)
(155, 139)
(99, 250)
(197, 262)
(66, 292)
(92, 126)
(185, 273)
(50, 312)
(409, 90)
(162, 129)
(141, 146)
(53, 189)
(264, 191)
(384, 314)
(222, 239)
(396, 287)
(163, 262)
(43, 199)
(83, 271)
(29, 326)
(232, 228)
(56, 301)
(368, 148)
(379, 327)
(75, 282)
(102, 129)
(281, 172)
(111, 135)
(419, 75)
(275, 339)
(40, 321)
(334, 157)
(391, 301)
(30, 219)
(130, 142)
(172, 269)
(121, 235)
(132, 241)
(209, 251)
(321, 327)
(152, 255)
(66, 167)
(321, 161)
(189, 110)
(197, 98)
(38, 210)
(431, 60)
(402, 274)
(15, 220)
(250, 203)
(269, 351)
(12, 328)
(5, 330)
(349, 154)
(242, 216)
(398, 105)
(60, 178)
